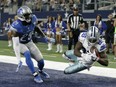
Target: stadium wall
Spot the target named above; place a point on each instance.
(90, 17)
(43, 15)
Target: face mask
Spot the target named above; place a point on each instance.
(92, 42)
(27, 17)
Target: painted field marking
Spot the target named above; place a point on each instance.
(98, 71)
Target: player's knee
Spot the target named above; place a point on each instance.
(41, 61)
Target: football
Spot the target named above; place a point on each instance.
(96, 51)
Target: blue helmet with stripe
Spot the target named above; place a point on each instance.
(93, 34)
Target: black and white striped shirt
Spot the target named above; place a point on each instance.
(74, 20)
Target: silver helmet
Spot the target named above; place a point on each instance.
(93, 35)
(24, 13)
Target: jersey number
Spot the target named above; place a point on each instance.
(26, 37)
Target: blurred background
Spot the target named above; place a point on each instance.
(43, 8)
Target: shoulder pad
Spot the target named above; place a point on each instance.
(15, 25)
(102, 45)
(34, 19)
(82, 36)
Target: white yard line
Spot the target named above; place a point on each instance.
(98, 71)
(50, 55)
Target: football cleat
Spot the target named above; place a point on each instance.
(44, 74)
(19, 66)
(38, 79)
(67, 58)
(64, 56)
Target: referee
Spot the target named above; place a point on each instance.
(73, 22)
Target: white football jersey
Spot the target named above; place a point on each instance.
(100, 45)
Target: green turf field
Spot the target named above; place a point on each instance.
(48, 55)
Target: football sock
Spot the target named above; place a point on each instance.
(29, 61)
(41, 64)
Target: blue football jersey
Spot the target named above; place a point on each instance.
(24, 32)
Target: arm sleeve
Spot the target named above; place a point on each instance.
(16, 47)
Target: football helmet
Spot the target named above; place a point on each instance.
(93, 35)
(24, 13)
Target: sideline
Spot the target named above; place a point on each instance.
(98, 71)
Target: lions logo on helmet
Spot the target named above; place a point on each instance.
(93, 35)
(24, 14)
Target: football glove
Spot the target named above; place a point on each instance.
(89, 58)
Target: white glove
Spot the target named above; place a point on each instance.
(89, 58)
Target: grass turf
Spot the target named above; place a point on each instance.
(49, 55)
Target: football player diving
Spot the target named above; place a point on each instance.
(89, 48)
(22, 30)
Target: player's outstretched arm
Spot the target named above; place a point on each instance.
(39, 31)
(103, 60)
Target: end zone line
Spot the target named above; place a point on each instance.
(98, 71)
